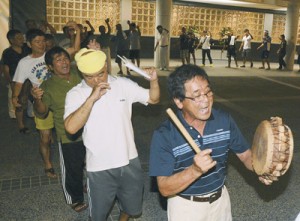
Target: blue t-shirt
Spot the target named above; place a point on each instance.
(170, 153)
(267, 41)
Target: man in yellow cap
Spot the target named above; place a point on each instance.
(102, 105)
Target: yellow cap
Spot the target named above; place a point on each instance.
(90, 61)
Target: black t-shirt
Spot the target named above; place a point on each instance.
(11, 58)
(184, 42)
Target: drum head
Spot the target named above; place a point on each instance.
(272, 149)
(262, 148)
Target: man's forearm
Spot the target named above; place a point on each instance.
(176, 183)
(17, 89)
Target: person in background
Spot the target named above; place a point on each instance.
(266, 45)
(230, 42)
(86, 35)
(30, 24)
(33, 68)
(134, 43)
(47, 28)
(102, 105)
(69, 33)
(184, 46)
(104, 40)
(192, 45)
(122, 47)
(163, 43)
(282, 52)
(204, 43)
(10, 58)
(246, 48)
(50, 41)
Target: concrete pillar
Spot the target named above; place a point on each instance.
(291, 29)
(163, 17)
(125, 13)
(268, 23)
(4, 23)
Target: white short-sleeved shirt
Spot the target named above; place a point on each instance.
(34, 69)
(247, 42)
(232, 40)
(205, 42)
(163, 38)
(108, 134)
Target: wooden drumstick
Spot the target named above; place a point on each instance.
(184, 132)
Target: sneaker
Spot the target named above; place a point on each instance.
(279, 69)
(243, 66)
(211, 65)
(202, 65)
(161, 69)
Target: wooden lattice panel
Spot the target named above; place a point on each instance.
(143, 14)
(96, 11)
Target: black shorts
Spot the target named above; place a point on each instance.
(265, 54)
(121, 53)
(134, 54)
(231, 52)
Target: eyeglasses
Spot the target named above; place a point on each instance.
(201, 97)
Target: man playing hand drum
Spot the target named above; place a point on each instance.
(194, 183)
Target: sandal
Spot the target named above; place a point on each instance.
(78, 207)
(50, 173)
(24, 130)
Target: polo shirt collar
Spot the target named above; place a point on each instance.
(186, 125)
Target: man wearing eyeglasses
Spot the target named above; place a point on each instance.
(194, 183)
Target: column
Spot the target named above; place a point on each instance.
(125, 14)
(163, 17)
(291, 28)
(268, 23)
(4, 22)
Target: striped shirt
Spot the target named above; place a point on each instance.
(170, 153)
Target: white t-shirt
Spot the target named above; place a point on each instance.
(108, 134)
(34, 69)
(205, 42)
(232, 40)
(247, 42)
(163, 38)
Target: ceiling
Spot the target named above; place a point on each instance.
(261, 4)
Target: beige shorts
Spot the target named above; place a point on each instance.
(180, 209)
(44, 124)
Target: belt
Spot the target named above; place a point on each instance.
(212, 198)
(163, 46)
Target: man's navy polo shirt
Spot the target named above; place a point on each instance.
(170, 153)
